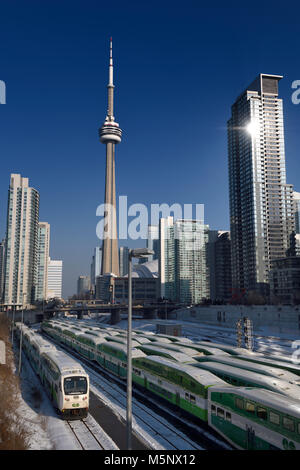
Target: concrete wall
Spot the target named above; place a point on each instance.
(284, 319)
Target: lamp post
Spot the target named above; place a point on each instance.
(13, 322)
(137, 253)
(21, 336)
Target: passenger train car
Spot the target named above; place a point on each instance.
(247, 405)
(255, 419)
(64, 379)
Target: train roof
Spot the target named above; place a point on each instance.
(208, 349)
(178, 347)
(175, 355)
(64, 362)
(281, 386)
(95, 339)
(266, 360)
(42, 344)
(226, 347)
(265, 397)
(260, 368)
(123, 347)
(204, 377)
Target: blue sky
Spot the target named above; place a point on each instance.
(178, 68)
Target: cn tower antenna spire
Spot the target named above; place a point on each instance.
(110, 135)
(111, 66)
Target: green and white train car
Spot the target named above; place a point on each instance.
(255, 419)
(182, 385)
(245, 378)
(153, 350)
(260, 359)
(233, 350)
(113, 357)
(254, 367)
(64, 379)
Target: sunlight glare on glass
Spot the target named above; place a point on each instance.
(253, 128)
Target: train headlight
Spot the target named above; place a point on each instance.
(84, 398)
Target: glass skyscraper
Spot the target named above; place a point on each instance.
(261, 212)
(124, 260)
(183, 265)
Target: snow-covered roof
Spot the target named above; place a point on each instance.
(202, 376)
(278, 385)
(260, 368)
(64, 362)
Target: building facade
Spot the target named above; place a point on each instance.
(96, 265)
(42, 261)
(54, 285)
(183, 264)
(219, 261)
(285, 280)
(153, 241)
(2, 258)
(20, 279)
(296, 200)
(124, 260)
(261, 212)
(83, 285)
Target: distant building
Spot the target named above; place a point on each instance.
(20, 279)
(42, 261)
(219, 261)
(54, 286)
(83, 285)
(296, 201)
(285, 280)
(123, 260)
(104, 287)
(183, 264)
(96, 265)
(145, 284)
(153, 241)
(2, 271)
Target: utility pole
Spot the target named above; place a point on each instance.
(21, 336)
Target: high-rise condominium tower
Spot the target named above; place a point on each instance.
(183, 267)
(21, 242)
(261, 216)
(96, 265)
(54, 286)
(110, 135)
(42, 260)
(124, 260)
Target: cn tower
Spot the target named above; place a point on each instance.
(110, 135)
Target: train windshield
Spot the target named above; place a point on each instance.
(75, 385)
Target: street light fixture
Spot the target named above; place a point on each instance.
(133, 253)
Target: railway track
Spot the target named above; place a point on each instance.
(172, 431)
(84, 435)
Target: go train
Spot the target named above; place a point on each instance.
(262, 415)
(64, 379)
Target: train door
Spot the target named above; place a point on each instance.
(250, 438)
